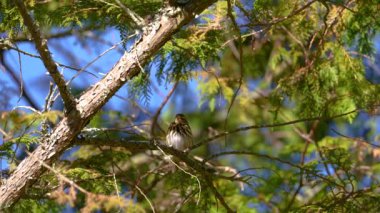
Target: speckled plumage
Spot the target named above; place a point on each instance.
(179, 134)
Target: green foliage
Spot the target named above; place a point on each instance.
(11, 21)
(335, 86)
(338, 157)
(302, 61)
(192, 48)
(25, 139)
(362, 26)
(36, 206)
(25, 128)
(140, 88)
(96, 14)
(212, 89)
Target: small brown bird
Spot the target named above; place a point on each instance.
(179, 134)
(177, 2)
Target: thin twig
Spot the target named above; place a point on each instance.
(294, 13)
(29, 108)
(217, 194)
(162, 105)
(302, 162)
(134, 16)
(184, 171)
(12, 73)
(70, 32)
(48, 99)
(269, 126)
(355, 138)
(4, 133)
(243, 36)
(61, 176)
(270, 158)
(21, 78)
(37, 56)
(97, 58)
(146, 198)
(240, 60)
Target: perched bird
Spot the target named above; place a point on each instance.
(179, 134)
(177, 2)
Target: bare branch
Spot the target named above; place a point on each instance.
(294, 13)
(308, 140)
(134, 16)
(217, 194)
(239, 58)
(69, 32)
(25, 92)
(95, 59)
(158, 112)
(146, 198)
(271, 158)
(43, 49)
(268, 126)
(60, 176)
(356, 139)
(7, 46)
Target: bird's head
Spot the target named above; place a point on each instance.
(180, 119)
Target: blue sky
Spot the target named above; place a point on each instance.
(36, 80)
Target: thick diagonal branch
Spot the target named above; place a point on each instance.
(155, 36)
(51, 66)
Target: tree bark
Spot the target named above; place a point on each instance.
(154, 36)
